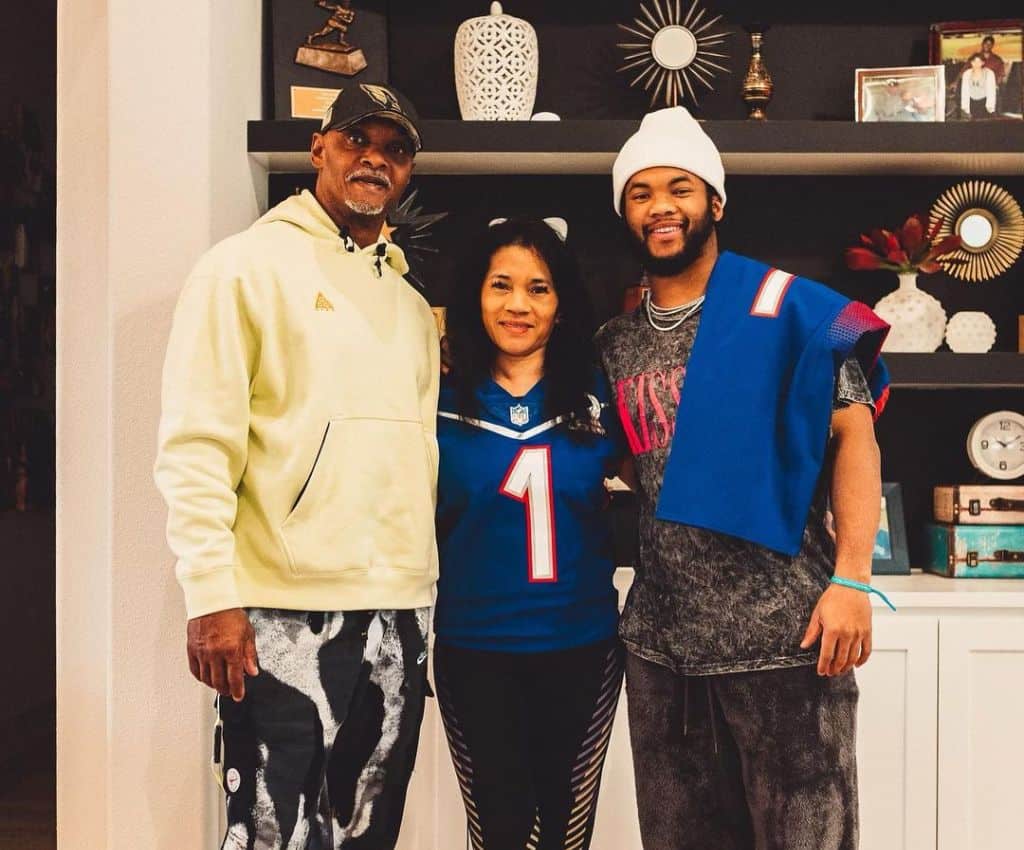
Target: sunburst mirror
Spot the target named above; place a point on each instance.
(673, 51)
(990, 225)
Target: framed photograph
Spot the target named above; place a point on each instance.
(891, 556)
(915, 93)
(982, 61)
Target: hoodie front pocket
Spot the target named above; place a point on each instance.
(367, 504)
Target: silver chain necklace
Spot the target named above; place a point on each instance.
(680, 313)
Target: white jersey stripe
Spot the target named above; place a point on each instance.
(501, 429)
(770, 295)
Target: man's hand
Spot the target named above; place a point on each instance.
(222, 650)
(843, 619)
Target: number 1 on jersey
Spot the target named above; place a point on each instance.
(528, 480)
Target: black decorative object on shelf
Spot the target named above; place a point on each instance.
(409, 228)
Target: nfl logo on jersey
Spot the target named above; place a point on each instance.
(519, 414)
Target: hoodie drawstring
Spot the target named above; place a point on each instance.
(380, 251)
(346, 239)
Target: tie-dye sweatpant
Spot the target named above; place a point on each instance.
(528, 734)
(763, 760)
(319, 753)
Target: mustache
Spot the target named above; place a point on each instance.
(369, 174)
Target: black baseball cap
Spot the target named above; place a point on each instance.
(371, 100)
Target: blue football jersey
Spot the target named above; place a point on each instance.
(524, 540)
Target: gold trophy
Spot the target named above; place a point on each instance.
(338, 57)
(757, 83)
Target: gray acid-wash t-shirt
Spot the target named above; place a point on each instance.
(704, 602)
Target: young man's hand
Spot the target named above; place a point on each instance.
(222, 651)
(843, 619)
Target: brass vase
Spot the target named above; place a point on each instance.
(757, 83)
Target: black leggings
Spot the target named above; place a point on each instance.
(528, 735)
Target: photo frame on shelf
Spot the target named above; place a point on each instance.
(891, 556)
(983, 64)
(297, 90)
(912, 93)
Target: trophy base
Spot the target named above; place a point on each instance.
(346, 60)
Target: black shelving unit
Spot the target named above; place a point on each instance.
(773, 147)
(946, 370)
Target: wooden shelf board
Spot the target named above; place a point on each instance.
(771, 148)
(947, 370)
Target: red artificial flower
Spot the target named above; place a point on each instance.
(912, 234)
(911, 248)
(861, 259)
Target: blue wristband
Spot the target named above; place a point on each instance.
(867, 588)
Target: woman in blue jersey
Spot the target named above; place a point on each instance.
(527, 663)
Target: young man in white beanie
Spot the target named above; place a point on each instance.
(747, 397)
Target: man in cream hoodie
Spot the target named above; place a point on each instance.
(298, 459)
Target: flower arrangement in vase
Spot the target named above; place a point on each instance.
(918, 320)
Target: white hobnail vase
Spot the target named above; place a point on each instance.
(496, 62)
(917, 318)
(970, 332)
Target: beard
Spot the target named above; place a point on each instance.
(363, 208)
(369, 208)
(695, 237)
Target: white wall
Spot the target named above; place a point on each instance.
(152, 104)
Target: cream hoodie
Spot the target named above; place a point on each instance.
(297, 450)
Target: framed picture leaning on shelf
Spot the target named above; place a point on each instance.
(982, 61)
(890, 556)
(914, 93)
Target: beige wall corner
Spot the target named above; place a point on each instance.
(152, 170)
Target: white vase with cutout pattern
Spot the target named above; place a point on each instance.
(496, 64)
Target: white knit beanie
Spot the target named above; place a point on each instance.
(669, 137)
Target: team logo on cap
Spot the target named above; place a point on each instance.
(329, 112)
(384, 97)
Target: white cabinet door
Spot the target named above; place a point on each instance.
(981, 733)
(896, 735)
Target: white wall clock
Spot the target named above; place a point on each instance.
(995, 445)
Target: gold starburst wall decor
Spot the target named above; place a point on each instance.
(671, 52)
(990, 225)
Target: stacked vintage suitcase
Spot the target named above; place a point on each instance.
(979, 531)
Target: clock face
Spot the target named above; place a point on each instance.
(996, 445)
